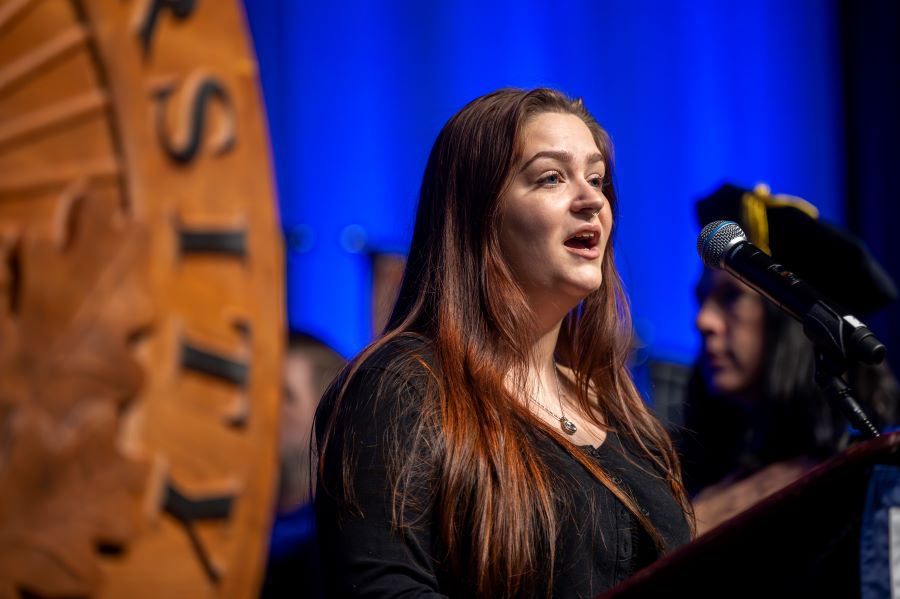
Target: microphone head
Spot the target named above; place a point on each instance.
(716, 239)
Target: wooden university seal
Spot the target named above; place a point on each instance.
(141, 310)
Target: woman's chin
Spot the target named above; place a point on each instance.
(582, 288)
(725, 383)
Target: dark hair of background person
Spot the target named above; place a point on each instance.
(498, 515)
(792, 419)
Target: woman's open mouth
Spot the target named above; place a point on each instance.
(585, 243)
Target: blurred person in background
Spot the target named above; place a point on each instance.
(754, 418)
(293, 568)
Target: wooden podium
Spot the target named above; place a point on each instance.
(800, 542)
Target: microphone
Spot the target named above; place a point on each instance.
(841, 336)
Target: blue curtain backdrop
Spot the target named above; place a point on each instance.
(694, 93)
(870, 33)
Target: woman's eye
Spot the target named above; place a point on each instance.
(729, 297)
(598, 182)
(549, 179)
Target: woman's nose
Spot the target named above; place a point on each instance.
(590, 200)
(709, 318)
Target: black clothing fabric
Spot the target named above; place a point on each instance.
(600, 541)
(293, 568)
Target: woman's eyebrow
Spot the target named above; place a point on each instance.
(561, 156)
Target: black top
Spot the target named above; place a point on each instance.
(600, 541)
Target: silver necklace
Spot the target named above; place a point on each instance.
(567, 425)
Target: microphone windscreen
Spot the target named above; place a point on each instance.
(715, 239)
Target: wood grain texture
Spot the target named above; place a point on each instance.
(135, 224)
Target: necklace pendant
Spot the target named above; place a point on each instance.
(568, 425)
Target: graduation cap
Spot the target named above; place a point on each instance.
(833, 261)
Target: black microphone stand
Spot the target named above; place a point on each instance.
(840, 394)
(827, 335)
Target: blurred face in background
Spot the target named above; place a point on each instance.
(309, 365)
(731, 321)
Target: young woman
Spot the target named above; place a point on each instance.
(491, 443)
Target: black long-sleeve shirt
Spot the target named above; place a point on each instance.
(600, 541)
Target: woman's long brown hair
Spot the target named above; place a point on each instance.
(494, 502)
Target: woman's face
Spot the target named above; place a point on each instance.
(552, 235)
(732, 322)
